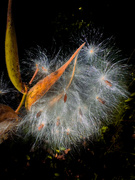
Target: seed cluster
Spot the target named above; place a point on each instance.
(81, 100)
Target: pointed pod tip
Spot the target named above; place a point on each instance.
(82, 44)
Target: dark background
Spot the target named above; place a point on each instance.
(41, 22)
(51, 24)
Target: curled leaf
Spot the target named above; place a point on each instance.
(11, 52)
(7, 113)
(8, 120)
(39, 89)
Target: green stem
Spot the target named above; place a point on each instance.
(22, 100)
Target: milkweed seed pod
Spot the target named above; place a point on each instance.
(85, 96)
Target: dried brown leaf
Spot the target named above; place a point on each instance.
(7, 113)
(8, 120)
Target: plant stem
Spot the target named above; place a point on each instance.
(22, 100)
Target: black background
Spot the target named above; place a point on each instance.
(40, 22)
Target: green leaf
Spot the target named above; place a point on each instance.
(56, 174)
(50, 157)
(133, 94)
(28, 157)
(58, 151)
(11, 52)
(129, 99)
(104, 129)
